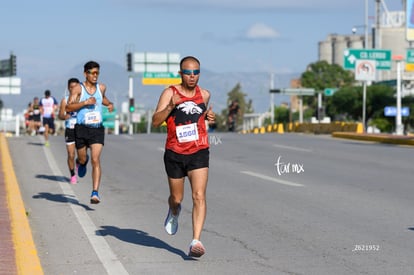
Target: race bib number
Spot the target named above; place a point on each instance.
(72, 122)
(93, 118)
(186, 133)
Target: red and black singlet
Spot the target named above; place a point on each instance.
(186, 126)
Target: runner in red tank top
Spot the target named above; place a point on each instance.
(186, 122)
(184, 108)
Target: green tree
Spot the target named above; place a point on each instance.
(378, 97)
(245, 107)
(321, 75)
(345, 104)
(408, 101)
(281, 115)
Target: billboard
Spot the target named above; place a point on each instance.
(409, 20)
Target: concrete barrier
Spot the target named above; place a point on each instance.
(307, 127)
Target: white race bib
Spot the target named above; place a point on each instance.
(72, 122)
(186, 133)
(93, 118)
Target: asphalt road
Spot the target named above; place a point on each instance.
(277, 204)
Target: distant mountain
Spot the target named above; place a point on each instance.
(255, 85)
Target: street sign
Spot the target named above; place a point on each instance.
(10, 85)
(161, 75)
(161, 81)
(298, 91)
(409, 57)
(382, 58)
(329, 91)
(409, 24)
(154, 62)
(365, 70)
(392, 111)
(409, 60)
(161, 78)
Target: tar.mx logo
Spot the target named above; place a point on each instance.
(214, 140)
(287, 167)
(211, 139)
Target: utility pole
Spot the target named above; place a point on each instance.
(364, 96)
(272, 105)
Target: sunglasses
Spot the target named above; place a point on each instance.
(93, 73)
(189, 72)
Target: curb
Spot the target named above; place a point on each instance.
(389, 139)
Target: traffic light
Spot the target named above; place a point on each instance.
(129, 62)
(13, 69)
(131, 105)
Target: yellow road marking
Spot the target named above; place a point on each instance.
(27, 260)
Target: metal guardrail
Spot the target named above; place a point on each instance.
(11, 125)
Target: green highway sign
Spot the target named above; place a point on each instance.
(161, 75)
(410, 56)
(329, 91)
(382, 58)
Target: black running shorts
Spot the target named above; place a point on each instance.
(69, 135)
(85, 136)
(177, 165)
(50, 121)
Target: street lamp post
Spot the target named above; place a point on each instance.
(399, 128)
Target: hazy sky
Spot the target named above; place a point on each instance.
(50, 36)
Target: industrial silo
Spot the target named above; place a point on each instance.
(325, 51)
(340, 43)
(356, 42)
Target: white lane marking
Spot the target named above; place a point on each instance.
(264, 177)
(98, 242)
(292, 148)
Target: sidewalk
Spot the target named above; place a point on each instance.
(7, 253)
(18, 254)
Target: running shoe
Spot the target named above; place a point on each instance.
(196, 249)
(171, 222)
(82, 167)
(73, 179)
(95, 197)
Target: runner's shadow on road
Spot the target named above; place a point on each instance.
(140, 238)
(36, 143)
(411, 228)
(61, 198)
(53, 178)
